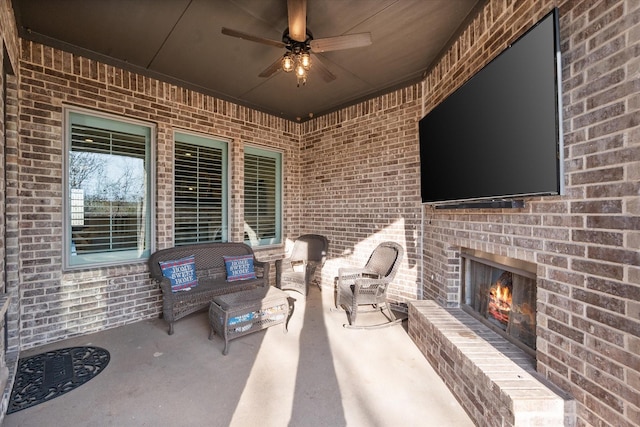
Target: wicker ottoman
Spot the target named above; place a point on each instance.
(240, 313)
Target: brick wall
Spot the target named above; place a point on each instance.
(9, 303)
(353, 175)
(361, 183)
(11, 206)
(55, 304)
(584, 243)
(3, 163)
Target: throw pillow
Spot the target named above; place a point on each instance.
(239, 267)
(181, 273)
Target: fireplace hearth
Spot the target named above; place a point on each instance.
(501, 292)
(485, 349)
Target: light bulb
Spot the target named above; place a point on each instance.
(287, 63)
(300, 71)
(305, 60)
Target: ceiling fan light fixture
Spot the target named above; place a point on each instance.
(287, 63)
(301, 70)
(302, 79)
(299, 42)
(305, 60)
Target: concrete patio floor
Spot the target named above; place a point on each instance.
(318, 374)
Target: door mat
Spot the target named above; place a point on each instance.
(48, 375)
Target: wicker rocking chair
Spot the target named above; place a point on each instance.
(297, 271)
(368, 286)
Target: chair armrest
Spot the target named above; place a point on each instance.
(289, 264)
(348, 275)
(165, 286)
(375, 287)
(261, 265)
(350, 272)
(281, 263)
(354, 273)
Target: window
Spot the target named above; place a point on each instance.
(107, 196)
(200, 180)
(262, 196)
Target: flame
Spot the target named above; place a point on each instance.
(500, 302)
(503, 294)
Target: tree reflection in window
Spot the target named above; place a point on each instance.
(107, 177)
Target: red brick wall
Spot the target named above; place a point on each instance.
(11, 207)
(376, 153)
(361, 183)
(353, 175)
(55, 304)
(8, 148)
(584, 243)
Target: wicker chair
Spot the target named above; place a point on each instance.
(297, 271)
(368, 285)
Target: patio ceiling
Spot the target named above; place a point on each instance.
(180, 41)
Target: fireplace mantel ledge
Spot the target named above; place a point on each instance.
(494, 380)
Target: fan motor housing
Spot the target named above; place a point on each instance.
(295, 46)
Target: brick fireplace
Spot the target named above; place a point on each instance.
(585, 244)
(501, 293)
(353, 176)
(484, 348)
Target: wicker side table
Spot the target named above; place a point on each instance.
(240, 313)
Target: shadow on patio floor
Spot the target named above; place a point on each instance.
(317, 374)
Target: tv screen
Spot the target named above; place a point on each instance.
(499, 136)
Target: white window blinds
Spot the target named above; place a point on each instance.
(262, 188)
(200, 190)
(108, 190)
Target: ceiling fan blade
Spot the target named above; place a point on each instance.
(245, 36)
(340, 42)
(327, 75)
(271, 69)
(297, 12)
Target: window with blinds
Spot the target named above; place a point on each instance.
(107, 205)
(200, 180)
(262, 190)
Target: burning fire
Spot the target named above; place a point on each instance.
(500, 298)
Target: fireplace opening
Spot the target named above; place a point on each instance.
(501, 292)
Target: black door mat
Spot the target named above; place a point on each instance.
(48, 375)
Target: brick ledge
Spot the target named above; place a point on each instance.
(494, 380)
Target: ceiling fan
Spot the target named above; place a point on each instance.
(300, 44)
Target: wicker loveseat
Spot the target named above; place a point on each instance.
(211, 276)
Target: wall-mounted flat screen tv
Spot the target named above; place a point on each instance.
(499, 136)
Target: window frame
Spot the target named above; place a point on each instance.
(87, 116)
(209, 142)
(279, 158)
